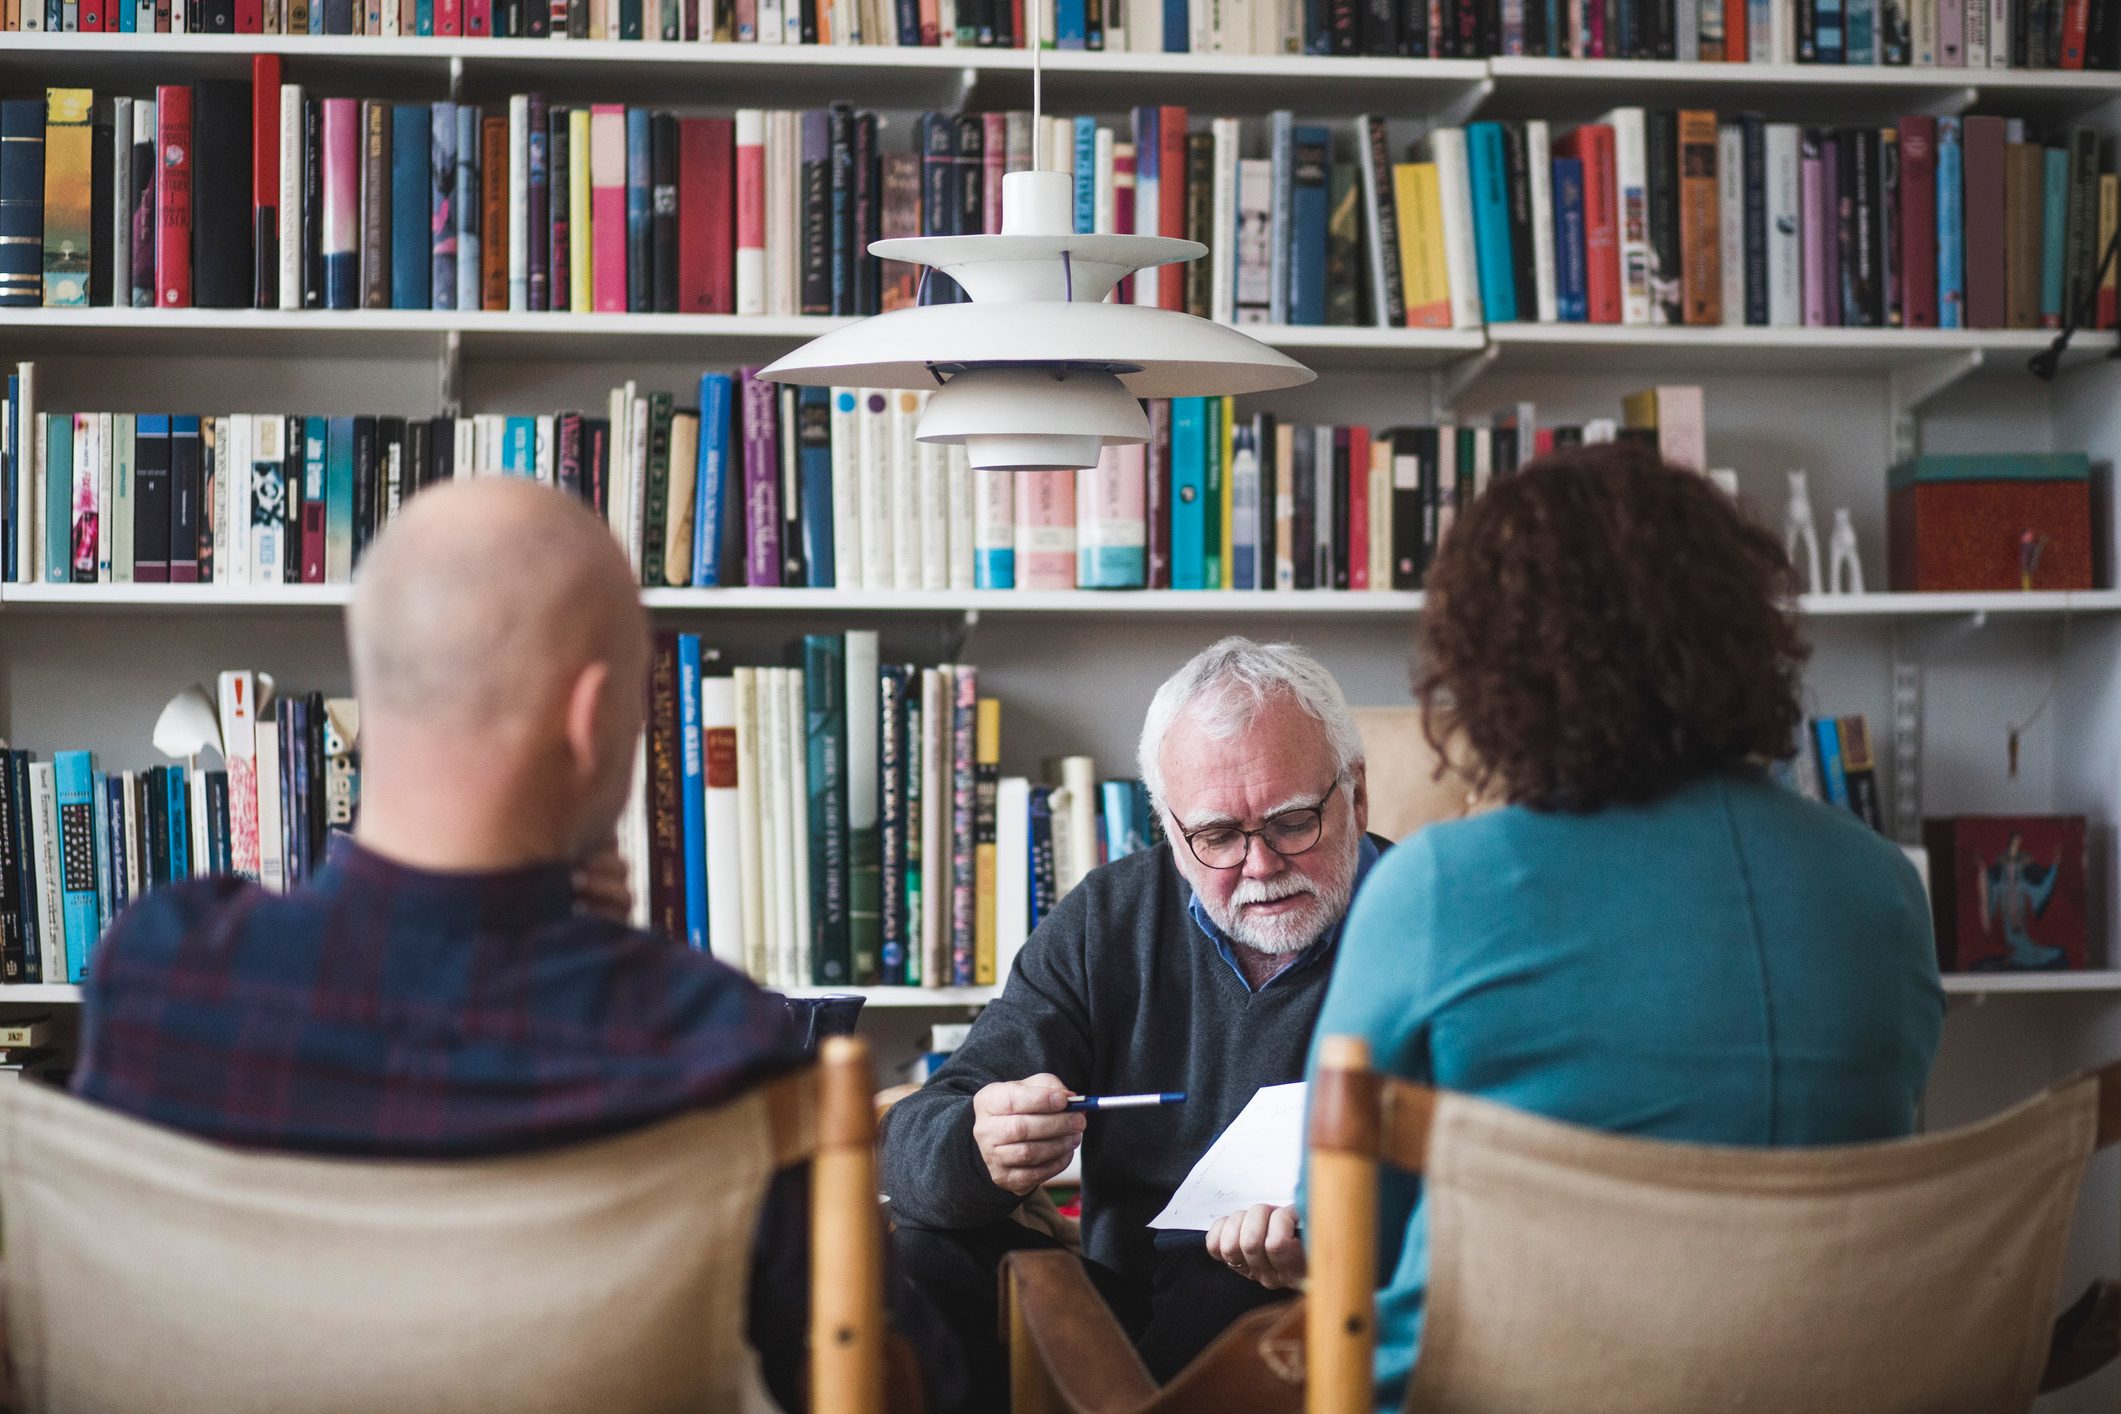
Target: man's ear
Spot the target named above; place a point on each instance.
(1359, 798)
(585, 715)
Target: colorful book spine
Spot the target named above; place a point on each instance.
(1571, 299)
(864, 872)
(826, 724)
(1489, 171)
(891, 823)
(762, 481)
(964, 826)
(692, 794)
(73, 787)
(712, 486)
(68, 188)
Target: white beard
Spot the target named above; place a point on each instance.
(1288, 932)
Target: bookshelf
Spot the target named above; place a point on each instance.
(90, 665)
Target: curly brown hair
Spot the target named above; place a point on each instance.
(1602, 627)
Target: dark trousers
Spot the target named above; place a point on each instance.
(1187, 1302)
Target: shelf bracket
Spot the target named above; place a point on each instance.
(1953, 104)
(456, 78)
(1469, 100)
(1451, 380)
(1906, 745)
(449, 372)
(1915, 386)
(954, 640)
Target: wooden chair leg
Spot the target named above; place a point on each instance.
(1031, 1389)
(846, 1238)
(1340, 1335)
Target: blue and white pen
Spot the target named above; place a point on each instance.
(1125, 1102)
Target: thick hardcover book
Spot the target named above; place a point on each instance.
(1666, 237)
(655, 509)
(173, 213)
(468, 206)
(844, 244)
(1753, 211)
(1916, 223)
(825, 733)
(151, 499)
(864, 876)
(1592, 145)
(1488, 170)
(1380, 224)
(814, 288)
(494, 213)
(265, 181)
(73, 783)
(607, 215)
(1524, 258)
(891, 823)
(1571, 304)
(223, 273)
(666, 827)
(640, 213)
(2024, 205)
(1700, 239)
(340, 233)
(186, 486)
(1982, 188)
(140, 204)
(411, 193)
(762, 481)
(441, 206)
(375, 204)
(21, 202)
(69, 167)
(663, 213)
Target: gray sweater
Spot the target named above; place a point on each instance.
(1117, 992)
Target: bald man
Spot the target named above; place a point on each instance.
(440, 989)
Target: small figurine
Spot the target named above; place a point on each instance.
(1841, 555)
(1797, 524)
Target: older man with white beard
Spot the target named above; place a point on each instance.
(1196, 967)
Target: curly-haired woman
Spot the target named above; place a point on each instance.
(1649, 935)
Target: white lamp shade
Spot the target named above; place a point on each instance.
(1020, 269)
(1079, 414)
(1157, 353)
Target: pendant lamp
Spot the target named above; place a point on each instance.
(1038, 372)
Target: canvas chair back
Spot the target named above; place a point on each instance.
(149, 1270)
(1406, 791)
(1573, 1270)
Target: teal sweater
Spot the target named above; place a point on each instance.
(1731, 964)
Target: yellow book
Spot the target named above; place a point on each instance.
(986, 775)
(1639, 410)
(67, 140)
(1226, 431)
(1421, 251)
(580, 297)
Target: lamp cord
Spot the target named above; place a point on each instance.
(2082, 312)
(1032, 13)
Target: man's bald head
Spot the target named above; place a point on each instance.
(486, 598)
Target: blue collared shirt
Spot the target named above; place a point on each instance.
(1366, 854)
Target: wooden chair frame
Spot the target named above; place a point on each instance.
(828, 1114)
(1360, 1119)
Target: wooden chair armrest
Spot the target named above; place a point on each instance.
(1049, 1304)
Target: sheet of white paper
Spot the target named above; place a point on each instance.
(1256, 1160)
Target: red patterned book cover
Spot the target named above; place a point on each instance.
(173, 196)
(706, 225)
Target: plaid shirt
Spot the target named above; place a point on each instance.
(385, 1011)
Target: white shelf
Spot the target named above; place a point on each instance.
(1160, 602)
(1975, 984)
(1740, 348)
(1569, 88)
(902, 997)
(56, 993)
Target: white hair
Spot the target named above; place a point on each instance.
(1227, 684)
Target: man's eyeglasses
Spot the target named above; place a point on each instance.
(1288, 834)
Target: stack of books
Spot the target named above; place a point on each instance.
(844, 821)
(78, 842)
(1834, 763)
(771, 487)
(1978, 34)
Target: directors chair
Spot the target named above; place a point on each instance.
(150, 1270)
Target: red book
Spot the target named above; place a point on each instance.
(1016, 15)
(478, 18)
(931, 23)
(250, 16)
(1734, 31)
(2076, 17)
(449, 18)
(1543, 442)
(1170, 199)
(706, 221)
(1592, 145)
(265, 178)
(1358, 508)
(89, 17)
(1917, 221)
(313, 534)
(1982, 158)
(173, 196)
(607, 207)
(994, 165)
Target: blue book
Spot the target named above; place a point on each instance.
(813, 462)
(640, 211)
(909, 24)
(519, 447)
(22, 201)
(1571, 293)
(1085, 175)
(411, 189)
(99, 804)
(118, 849)
(466, 206)
(712, 492)
(1124, 813)
(338, 500)
(693, 804)
(58, 497)
(1189, 493)
(1177, 26)
(1281, 215)
(2054, 227)
(1759, 26)
(1148, 160)
(74, 784)
(128, 18)
(1310, 200)
(1862, 32)
(1489, 175)
(1951, 217)
(1829, 37)
(1833, 781)
(1071, 24)
(825, 812)
(177, 801)
(994, 565)
(441, 204)
(424, 17)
